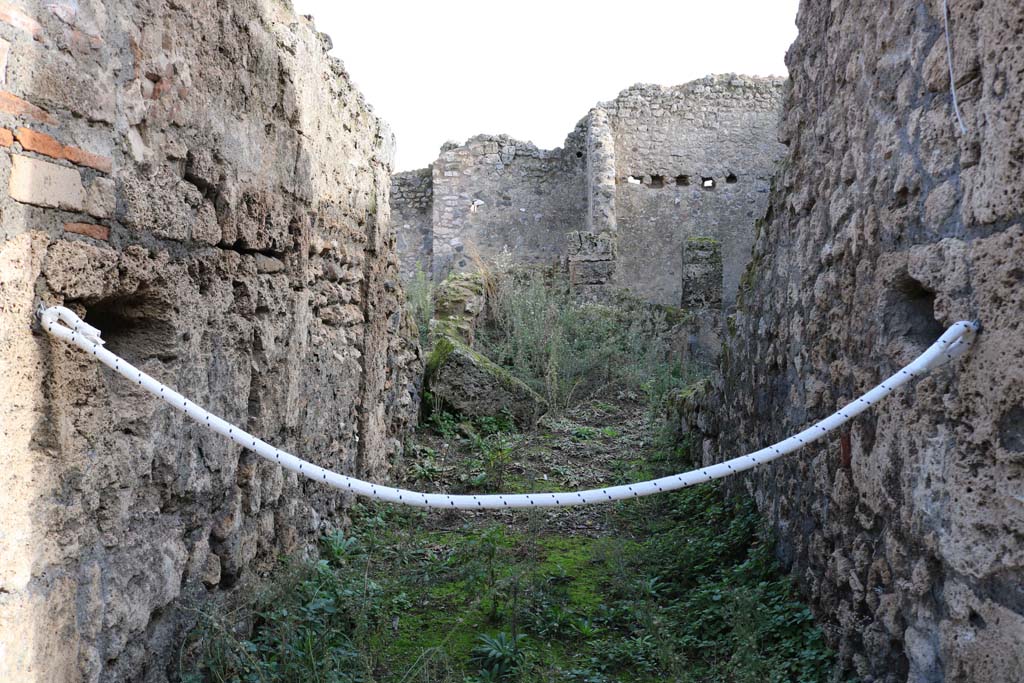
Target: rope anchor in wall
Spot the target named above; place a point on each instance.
(66, 325)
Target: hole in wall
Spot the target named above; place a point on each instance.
(909, 312)
(731, 178)
(134, 326)
(1011, 429)
(579, 155)
(683, 180)
(633, 180)
(707, 183)
(657, 181)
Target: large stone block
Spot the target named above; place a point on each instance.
(467, 382)
(42, 183)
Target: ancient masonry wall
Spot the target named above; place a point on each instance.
(506, 199)
(412, 214)
(704, 155)
(204, 184)
(885, 225)
(637, 178)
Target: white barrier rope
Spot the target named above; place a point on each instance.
(956, 341)
(949, 60)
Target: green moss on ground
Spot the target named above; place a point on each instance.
(686, 592)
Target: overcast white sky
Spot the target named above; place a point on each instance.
(448, 70)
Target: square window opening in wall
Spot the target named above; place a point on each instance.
(683, 180)
(633, 180)
(707, 183)
(731, 178)
(657, 181)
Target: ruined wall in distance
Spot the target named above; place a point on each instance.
(203, 183)
(693, 160)
(886, 224)
(412, 214)
(636, 178)
(506, 199)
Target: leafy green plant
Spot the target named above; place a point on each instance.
(423, 465)
(496, 454)
(499, 656)
(337, 547)
(502, 423)
(584, 433)
(444, 423)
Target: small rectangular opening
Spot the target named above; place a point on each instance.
(657, 181)
(683, 180)
(707, 183)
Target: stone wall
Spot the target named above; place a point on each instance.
(636, 178)
(885, 225)
(412, 214)
(703, 154)
(506, 199)
(205, 185)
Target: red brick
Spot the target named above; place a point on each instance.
(10, 14)
(12, 104)
(79, 156)
(6, 137)
(41, 143)
(97, 232)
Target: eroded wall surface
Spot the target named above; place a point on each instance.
(704, 154)
(885, 225)
(636, 178)
(506, 199)
(412, 214)
(204, 184)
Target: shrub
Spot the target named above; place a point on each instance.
(570, 351)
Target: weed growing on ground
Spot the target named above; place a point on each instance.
(687, 591)
(571, 351)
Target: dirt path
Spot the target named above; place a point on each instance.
(599, 443)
